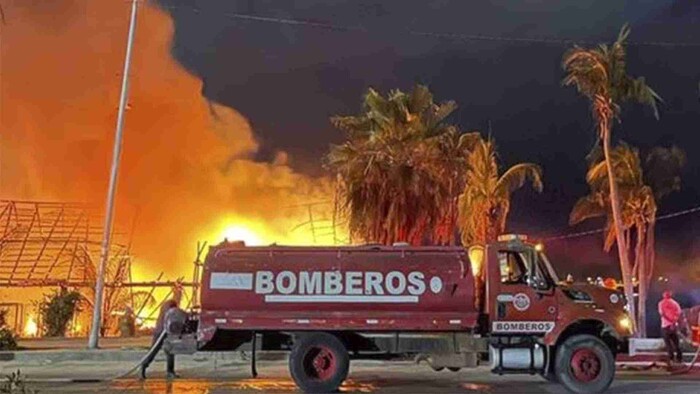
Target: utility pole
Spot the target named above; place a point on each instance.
(109, 209)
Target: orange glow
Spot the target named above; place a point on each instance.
(476, 257)
(241, 233)
(186, 173)
(31, 329)
(610, 283)
(264, 385)
(146, 323)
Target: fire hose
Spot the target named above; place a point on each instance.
(689, 367)
(693, 361)
(157, 344)
(691, 339)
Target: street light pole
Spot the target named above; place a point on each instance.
(109, 209)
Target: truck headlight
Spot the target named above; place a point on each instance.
(625, 323)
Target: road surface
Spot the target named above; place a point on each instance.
(365, 377)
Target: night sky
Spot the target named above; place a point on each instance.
(289, 79)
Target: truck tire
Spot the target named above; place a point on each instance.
(319, 362)
(584, 365)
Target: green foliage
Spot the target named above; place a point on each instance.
(600, 74)
(642, 184)
(15, 384)
(401, 168)
(8, 339)
(662, 170)
(57, 310)
(485, 201)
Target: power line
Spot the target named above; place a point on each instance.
(440, 35)
(575, 235)
(600, 230)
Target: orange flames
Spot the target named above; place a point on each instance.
(185, 171)
(31, 329)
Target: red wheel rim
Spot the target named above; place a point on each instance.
(585, 365)
(320, 363)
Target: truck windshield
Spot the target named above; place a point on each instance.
(546, 269)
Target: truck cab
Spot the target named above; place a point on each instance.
(537, 323)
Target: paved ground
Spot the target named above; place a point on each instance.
(365, 377)
(59, 361)
(81, 343)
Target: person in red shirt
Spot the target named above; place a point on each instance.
(670, 313)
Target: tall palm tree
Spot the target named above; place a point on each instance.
(600, 75)
(485, 201)
(641, 185)
(392, 170)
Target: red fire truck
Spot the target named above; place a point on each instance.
(502, 303)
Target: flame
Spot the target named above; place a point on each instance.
(31, 329)
(146, 323)
(77, 329)
(186, 173)
(476, 258)
(241, 233)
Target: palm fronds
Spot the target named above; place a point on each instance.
(399, 169)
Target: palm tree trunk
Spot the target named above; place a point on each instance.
(650, 249)
(649, 255)
(641, 263)
(622, 250)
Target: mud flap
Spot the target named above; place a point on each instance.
(253, 364)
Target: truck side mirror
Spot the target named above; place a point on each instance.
(538, 284)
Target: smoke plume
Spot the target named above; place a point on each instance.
(185, 169)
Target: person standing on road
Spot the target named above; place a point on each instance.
(670, 313)
(157, 331)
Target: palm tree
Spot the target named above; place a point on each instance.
(392, 170)
(639, 204)
(600, 75)
(485, 201)
(453, 149)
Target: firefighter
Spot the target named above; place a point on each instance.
(670, 313)
(157, 331)
(127, 323)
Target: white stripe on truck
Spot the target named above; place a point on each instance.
(373, 299)
(231, 280)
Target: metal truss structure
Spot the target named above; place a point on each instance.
(52, 244)
(324, 222)
(57, 245)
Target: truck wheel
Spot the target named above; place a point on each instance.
(454, 369)
(584, 364)
(318, 363)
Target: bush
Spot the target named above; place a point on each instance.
(15, 384)
(8, 339)
(57, 310)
